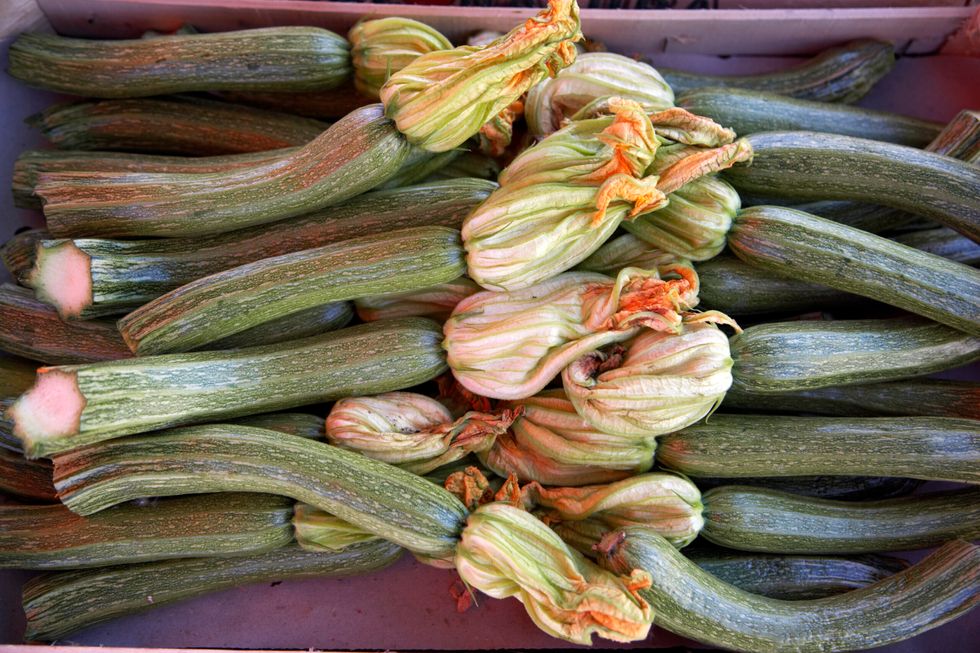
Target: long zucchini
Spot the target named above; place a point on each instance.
(737, 446)
(840, 488)
(353, 156)
(811, 166)
(119, 275)
(299, 424)
(25, 479)
(755, 519)
(60, 603)
(226, 303)
(944, 242)
(18, 253)
(842, 74)
(691, 602)
(271, 59)
(325, 105)
(748, 112)
(303, 324)
(104, 400)
(791, 356)
(209, 525)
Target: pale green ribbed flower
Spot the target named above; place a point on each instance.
(504, 551)
(679, 164)
(628, 251)
(673, 126)
(317, 530)
(382, 47)
(436, 302)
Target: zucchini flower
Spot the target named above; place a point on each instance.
(442, 98)
(505, 551)
(436, 302)
(382, 47)
(412, 431)
(594, 75)
(657, 383)
(628, 251)
(317, 530)
(495, 136)
(673, 126)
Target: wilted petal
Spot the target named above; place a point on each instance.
(317, 530)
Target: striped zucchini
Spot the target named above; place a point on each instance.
(172, 125)
(842, 74)
(353, 156)
(380, 498)
(803, 355)
(737, 446)
(691, 602)
(755, 519)
(805, 247)
(960, 138)
(841, 488)
(329, 104)
(298, 424)
(25, 479)
(303, 324)
(226, 303)
(751, 111)
(106, 400)
(271, 59)
(18, 253)
(60, 603)
(943, 242)
(811, 166)
(209, 525)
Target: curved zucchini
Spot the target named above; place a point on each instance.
(840, 488)
(105, 400)
(25, 479)
(271, 59)
(813, 166)
(60, 603)
(737, 446)
(385, 500)
(803, 355)
(842, 74)
(943, 242)
(748, 112)
(754, 519)
(691, 602)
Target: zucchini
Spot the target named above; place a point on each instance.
(303, 324)
(943, 242)
(756, 519)
(209, 525)
(271, 59)
(326, 105)
(105, 400)
(842, 74)
(299, 424)
(353, 156)
(811, 166)
(841, 488)
(16, 374)
(7, 438)
(797, 244)
(961, 137)
(226, 303)
(737, 446)
(117, 275)
(25, 479)
(748, 112)
(380, 498)
(18, 253)
(174, 125)
(60, 603)
(803, 355)
(691, 602)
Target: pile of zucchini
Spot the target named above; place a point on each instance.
(217, 272)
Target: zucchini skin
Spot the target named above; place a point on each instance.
(60, 603)
(840, 488)
(229, 302)
(25, 479)
(943, 242)
(303, 324)
(298, 424)
(17, 253)
(812, 166)
(756, 519)
(737, 446)
(691, 602)
(797, 244)
(804, 355)
(225, 524)
(390, 502)
(842, 74)
(748, 112)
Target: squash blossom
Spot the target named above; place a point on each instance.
(495, 137)
(382, 47)
(505, 551)
(436, 302)
(628, 251)
(317, 530)
(443, 98)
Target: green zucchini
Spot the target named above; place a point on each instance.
(60, 603)
(326, 105)
(751, 111)
(943, 242)
(810, 166)
(209, 525)
(125, 274)
(961, 137)
(353, 156)
(797, 244)
(737, 446)
(174, 125)
(380, 498)
(841, 488)
(298, 424)
(18, 253)
(803, 355)
(691, 602)
(842, 74)
(25, 479)
(105, 400)
(290, 58)
(756, 519)
(303, 324)
(226, 303)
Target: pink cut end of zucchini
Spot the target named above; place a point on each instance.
(62, 277)
(52, 408)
